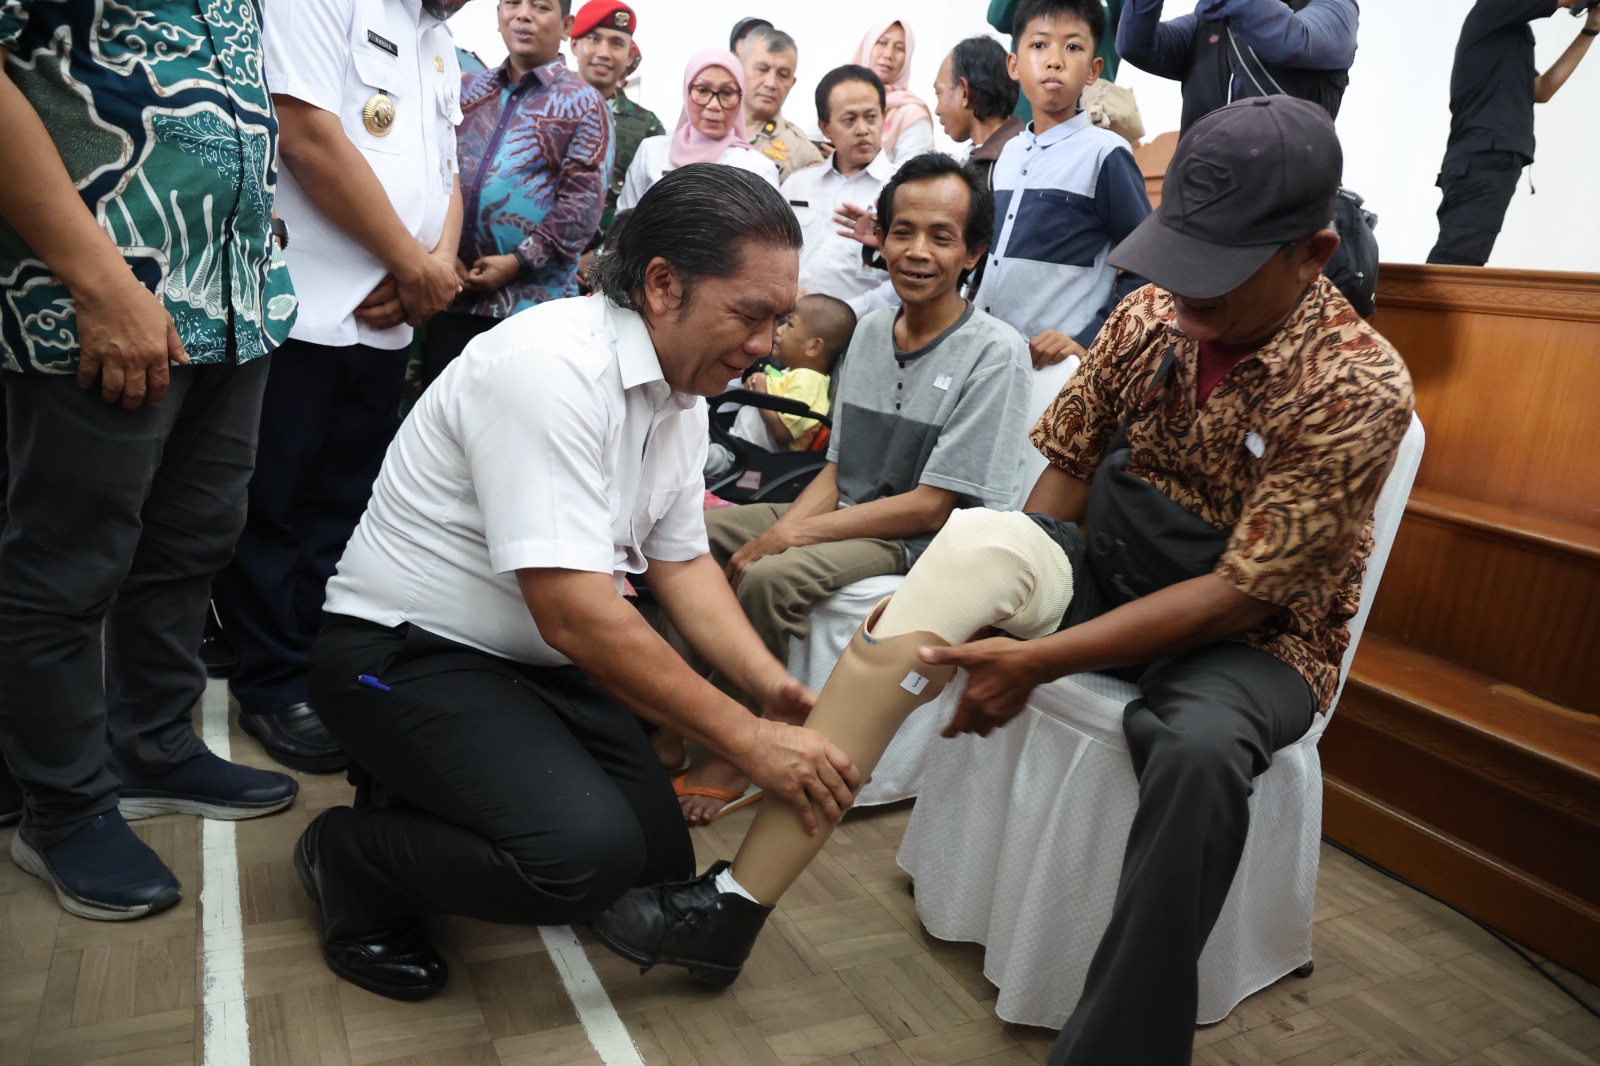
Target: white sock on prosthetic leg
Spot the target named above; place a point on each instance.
(984, 568)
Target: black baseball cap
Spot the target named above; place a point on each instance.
(742, 27)
(1246, 180)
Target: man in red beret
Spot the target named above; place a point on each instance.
(602, 41)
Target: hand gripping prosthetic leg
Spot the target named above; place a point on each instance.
(984, 568)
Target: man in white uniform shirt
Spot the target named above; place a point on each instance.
(367, 94)
(477, 659)
(850, 105)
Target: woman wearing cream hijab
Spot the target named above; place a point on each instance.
(907, 124)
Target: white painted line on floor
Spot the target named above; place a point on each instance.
(600, 1019)
(227, 1029)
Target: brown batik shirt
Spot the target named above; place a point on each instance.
(1288, 454)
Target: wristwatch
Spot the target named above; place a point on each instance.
(1589, 33)
(280, 233)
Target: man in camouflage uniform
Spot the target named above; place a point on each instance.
(602, 41)
(769, 56)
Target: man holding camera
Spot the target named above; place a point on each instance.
(1493, 88)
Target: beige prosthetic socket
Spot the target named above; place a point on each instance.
(985, 568)
(1009, 573)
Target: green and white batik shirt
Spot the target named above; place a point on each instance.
(161, 114)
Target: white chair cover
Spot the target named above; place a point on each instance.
(1016, 841)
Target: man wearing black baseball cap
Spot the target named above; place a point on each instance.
(1224, 443)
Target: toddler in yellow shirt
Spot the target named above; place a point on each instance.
(808, 343)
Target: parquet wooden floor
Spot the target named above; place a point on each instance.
(844, 975)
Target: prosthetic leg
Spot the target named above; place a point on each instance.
(984, 568)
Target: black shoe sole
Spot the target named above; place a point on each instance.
(306, 764)
(717, 975)
(406, 994)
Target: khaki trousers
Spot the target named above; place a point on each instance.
(779, 591)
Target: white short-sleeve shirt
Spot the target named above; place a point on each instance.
(831, 264)
(339, 55)
(650, 162)
(553, 441)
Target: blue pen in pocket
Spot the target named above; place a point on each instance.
(372, 682)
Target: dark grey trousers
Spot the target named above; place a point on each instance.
(117, 519)
(1203, 729)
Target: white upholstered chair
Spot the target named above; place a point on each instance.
(1016, 841)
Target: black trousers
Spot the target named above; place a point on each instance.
(445, 336)
(1203, 729)
(118, 518)
(327, 419)
(1477, 192)
(527, 794)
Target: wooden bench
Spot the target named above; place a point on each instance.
(1466, 751)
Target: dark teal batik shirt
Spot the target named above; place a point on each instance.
(161, 114)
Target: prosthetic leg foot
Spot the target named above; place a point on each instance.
(685, 923)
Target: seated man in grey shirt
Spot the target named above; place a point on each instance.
(930, 416)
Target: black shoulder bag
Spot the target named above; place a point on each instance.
(1140, 540)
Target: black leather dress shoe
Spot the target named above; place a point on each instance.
(685, 923)
(398, 961)
(296, 737)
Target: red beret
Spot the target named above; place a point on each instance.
(604, 15)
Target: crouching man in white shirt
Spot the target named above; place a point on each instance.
(477, 660)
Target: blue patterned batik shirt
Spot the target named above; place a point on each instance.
(159, 110)
(535, 156)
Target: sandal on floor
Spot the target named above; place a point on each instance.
(731, 800)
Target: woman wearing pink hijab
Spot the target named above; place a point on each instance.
(908, 124)
(710, 129)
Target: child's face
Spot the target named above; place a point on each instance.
(1054, 60)
(790, 339)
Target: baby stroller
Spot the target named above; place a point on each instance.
(759, 476)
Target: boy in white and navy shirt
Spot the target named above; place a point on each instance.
(1065, 191)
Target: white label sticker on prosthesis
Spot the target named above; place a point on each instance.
(914, 683)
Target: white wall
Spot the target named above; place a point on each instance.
(1394, 121)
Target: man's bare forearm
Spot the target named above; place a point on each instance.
(1179, 618)
(821, 496)
(338, 180)
(1546, 85)
(40, 202)
(922, 510)
(580, 615)
(700, 604)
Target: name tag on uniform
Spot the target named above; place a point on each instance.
(1255, 445)
(384, 43)
(799, 203)
(942, 382)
